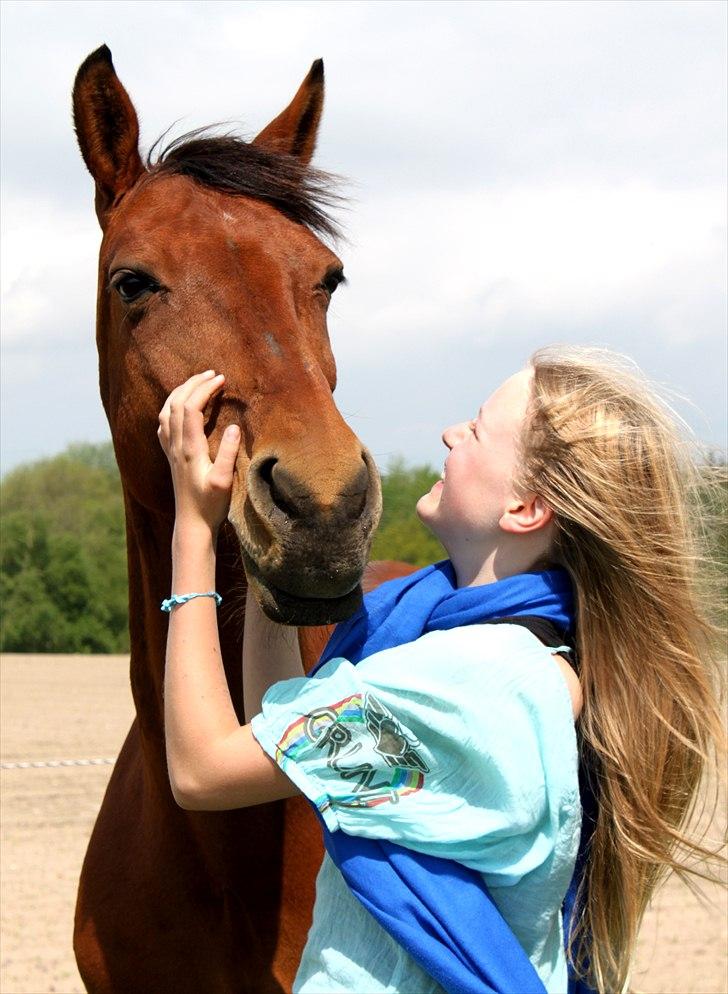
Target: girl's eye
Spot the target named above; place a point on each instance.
(132, 285)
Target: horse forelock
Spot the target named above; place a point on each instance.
(228, 163)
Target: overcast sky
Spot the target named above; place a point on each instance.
(522, 172)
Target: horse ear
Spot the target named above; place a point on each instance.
(107, 129)
(294, 131)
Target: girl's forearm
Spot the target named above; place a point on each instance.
(214, 762)
(198, 710)
(270, 653)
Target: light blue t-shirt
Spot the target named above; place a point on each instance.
(461, 745)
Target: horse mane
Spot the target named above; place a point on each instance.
(232, 165)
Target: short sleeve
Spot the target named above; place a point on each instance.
(456, 745)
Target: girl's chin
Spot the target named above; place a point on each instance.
(433, 494)
(421, 507)
(428, 503)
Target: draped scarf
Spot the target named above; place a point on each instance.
(438, 910)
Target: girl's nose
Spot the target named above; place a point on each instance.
(453, 434)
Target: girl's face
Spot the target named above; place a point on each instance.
(466, 505)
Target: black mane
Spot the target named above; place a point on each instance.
(232, 165)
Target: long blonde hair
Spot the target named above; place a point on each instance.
(606, 453)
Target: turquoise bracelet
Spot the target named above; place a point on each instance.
(183, 598)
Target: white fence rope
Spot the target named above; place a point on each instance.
(30, 764)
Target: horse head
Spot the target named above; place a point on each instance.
(211, 258)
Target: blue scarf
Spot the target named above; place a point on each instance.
(440, 911)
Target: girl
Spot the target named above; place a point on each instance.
(455, 737)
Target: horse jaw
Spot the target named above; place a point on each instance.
(288, 610)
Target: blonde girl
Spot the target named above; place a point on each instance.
(572, 472)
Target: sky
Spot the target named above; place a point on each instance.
(520, 173)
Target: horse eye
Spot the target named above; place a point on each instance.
(132, 285)
(332, 280)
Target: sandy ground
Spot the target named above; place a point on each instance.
(79, 707)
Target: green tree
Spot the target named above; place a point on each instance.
(401, 534)
(23, 542)
(31, 622)
(63, 554)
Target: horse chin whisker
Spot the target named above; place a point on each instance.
(291, 610)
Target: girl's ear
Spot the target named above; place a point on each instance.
(526, 514)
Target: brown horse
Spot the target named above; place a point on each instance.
(210, 258)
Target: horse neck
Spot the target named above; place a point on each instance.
(149, 558)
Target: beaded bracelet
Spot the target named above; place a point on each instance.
(176, 599)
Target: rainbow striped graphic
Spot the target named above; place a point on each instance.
(341, 733)
(295, 738)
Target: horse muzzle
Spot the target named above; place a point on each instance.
(305, 546)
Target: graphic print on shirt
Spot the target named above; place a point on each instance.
(348, 732)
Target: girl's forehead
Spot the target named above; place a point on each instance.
(512, 396)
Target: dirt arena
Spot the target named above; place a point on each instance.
(79, 707)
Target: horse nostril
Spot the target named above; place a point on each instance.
(356, 494)
(265, 471)
(275, 483)
(280, 490)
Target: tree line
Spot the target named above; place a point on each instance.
(63, 581)
(63, 572)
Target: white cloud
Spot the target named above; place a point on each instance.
(438, 264)
(47, 272)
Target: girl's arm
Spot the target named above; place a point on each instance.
(214, 762)
(270, 653)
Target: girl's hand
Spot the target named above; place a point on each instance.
(201, 487)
